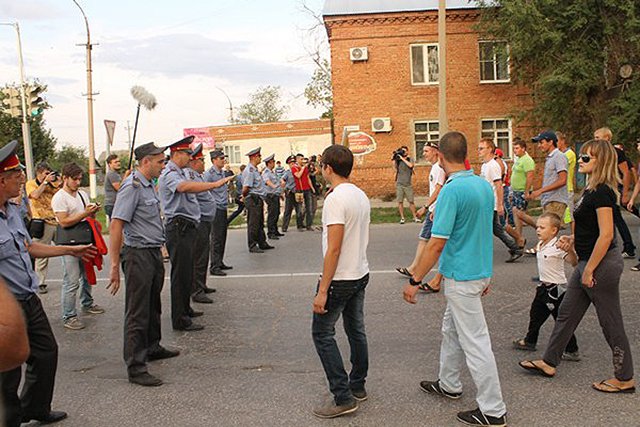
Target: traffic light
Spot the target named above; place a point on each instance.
(35, 103)
(11, 101)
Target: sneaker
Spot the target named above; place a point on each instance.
(42, 289)
(571, 356)
(477, 418)
(416, 219)
(401, 220)
(145, 379)
(94, 309)
(628, 254)
(73, 323)
(635, 267)
(433, 387)
(331, 410)
(515, 255)
(359, 395)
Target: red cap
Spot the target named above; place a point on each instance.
(8, 158)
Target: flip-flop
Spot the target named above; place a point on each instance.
(428, 289)
(614, 388)
(404, 271)
(535, 368)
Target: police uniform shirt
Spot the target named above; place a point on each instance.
(138, 206)
(289, 181)
(15, 263)
(251, 178)
(205, 198)
(268, 174)
(175, 203)
(220, 194)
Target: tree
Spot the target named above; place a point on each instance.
(264, 106)
(569, 53)
(70, 154)
(318, 91)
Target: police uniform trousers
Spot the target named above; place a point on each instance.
(219, 228)
(273, 213)
(255, 221)
(144, 276)
(289, 205)
(181, 234)
(201, 257)
(37, 392)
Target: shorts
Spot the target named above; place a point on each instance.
(108, 209)
(425, 231)
(556, 208)
(507, 203)
(518, 201)
(404, 191)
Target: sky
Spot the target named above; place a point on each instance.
(183, 52)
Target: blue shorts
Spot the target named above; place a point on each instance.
(519, 201)
(425, 232)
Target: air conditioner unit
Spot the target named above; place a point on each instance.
(358, 54)
(381, 124)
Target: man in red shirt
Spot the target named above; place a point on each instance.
(303, 184)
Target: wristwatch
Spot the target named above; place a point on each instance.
(413, 282)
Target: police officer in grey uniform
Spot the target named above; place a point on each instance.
(136, 214)
(218, 176)
(201, 248)
(290, 202)
(273, 188)
(34, 401)
(253, 193)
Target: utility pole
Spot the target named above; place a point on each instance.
(230, 104)
(89, 95)
(128, 128)
(442, 68)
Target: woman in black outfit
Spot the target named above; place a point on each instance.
(596, 278)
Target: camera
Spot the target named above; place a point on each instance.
(398, 154)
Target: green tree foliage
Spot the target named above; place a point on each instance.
(569, 53)
(318, 91)
(70, 154)
(264, 106)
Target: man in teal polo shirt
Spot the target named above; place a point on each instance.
(462, 238)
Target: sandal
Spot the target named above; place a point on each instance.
(428, 289)
(521, 344)
(530, 251)
(404, 271)
(611, 388)
(535, 368)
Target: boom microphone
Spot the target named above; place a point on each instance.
(145, 98)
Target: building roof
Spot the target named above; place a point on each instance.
(356, 7)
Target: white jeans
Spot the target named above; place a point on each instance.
(465, 336)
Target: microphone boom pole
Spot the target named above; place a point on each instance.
(146, 99)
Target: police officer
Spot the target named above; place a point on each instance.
(34, 401)
(218, 176)
(253, 193)
(137, 213)
(273, 188)
(290, 202)
(201, 248)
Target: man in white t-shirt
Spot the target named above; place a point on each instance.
(492, 173)
(70, 206)
(345, 274)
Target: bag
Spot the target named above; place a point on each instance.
(36, 228)
(299, 197)
(79, 234)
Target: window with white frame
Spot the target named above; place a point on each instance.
(424, 64)
(425, 131)
(499, 131)
(494, 61)
(233, 154)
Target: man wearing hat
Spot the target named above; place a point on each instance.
(136, 215)
(553, 194)
(253, 193)
(34, 401)
(290, 202)
(273, 188)
(181, 214)
(201, 244)
(218, 240)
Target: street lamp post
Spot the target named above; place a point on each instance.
(90, 94)
(230, 104)
(443, 125)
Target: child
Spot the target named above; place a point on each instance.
(553, 284)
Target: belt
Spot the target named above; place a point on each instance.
(551, 285)
(183, 220)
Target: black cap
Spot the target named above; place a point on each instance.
(148, 149)
(548, 135)
(215, 154)
(290, 159)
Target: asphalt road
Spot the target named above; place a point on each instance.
(255, 363)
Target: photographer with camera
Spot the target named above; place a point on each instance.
(43, 223)
(404, 187)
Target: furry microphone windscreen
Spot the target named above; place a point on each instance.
(144, 97)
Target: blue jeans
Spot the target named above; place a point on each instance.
(345, 297)
(73, 278)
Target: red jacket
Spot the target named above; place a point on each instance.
(101, 246)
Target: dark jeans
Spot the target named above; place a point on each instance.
(308, 208)
(40, 374)
(219, 238)
(545, 303)
(289, 205)
(144, 276)
(273, 213)
(237, 212)
(605, 296)
(623, 229)
(255, 221)
(201, 257)
(108, 209)
(181, 235)
(500, 233)
(345, 297)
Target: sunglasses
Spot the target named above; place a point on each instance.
(585, 158)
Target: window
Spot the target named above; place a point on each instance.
(494, 62)
(424, 64)
(423, 132)
(233, 154)
(498, 130)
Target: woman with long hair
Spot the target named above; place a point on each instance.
(596, 278)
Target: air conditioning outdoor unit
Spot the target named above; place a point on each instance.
(358, 54)
(381, 124)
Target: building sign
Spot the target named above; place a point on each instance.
(202, 135)
(360, 143)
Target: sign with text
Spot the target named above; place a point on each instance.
(202, 135)
(361, 143)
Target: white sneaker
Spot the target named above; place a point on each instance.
(73, 323)
(416, 219)
(401, 220)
